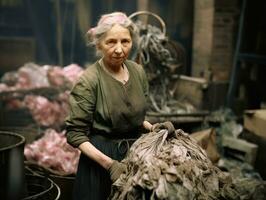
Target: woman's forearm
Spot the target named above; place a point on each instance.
(93, 153)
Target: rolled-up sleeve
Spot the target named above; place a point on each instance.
(80, 118)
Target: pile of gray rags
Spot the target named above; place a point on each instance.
(171, 166)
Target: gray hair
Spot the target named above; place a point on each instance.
(106, 22)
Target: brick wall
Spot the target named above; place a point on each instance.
(225, 24)
(214, 38)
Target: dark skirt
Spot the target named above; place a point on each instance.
(92, 180)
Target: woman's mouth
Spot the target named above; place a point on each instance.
(118, 58)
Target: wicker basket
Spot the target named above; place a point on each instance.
(21, 116)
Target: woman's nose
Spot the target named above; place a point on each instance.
(118, 48)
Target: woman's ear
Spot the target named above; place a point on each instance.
(98, 50)
(98, 46)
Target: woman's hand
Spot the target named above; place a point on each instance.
(116, 169)
(159, 126)
(165, 125)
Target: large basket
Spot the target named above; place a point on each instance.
(18, 114)
(48, 92)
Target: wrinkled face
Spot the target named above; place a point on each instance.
(115, 45)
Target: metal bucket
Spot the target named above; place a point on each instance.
(65, 183)
(41, 188)
(12, 176)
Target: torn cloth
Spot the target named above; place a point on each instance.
(171, 166)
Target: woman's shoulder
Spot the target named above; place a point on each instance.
(132, 64)
(90, 74)
(135, 67)
(89, 78)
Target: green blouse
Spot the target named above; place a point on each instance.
(98, 101)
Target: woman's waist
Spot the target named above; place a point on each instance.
(115, 135)
(121, 141)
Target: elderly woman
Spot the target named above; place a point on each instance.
(107, 108)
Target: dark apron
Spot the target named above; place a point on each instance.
(92, 180)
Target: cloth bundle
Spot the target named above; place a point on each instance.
(164, 165)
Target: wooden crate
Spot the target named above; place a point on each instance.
(190, 89)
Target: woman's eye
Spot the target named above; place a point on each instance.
(110, 42)
(125, 41)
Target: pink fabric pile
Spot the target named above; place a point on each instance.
(52, 151)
